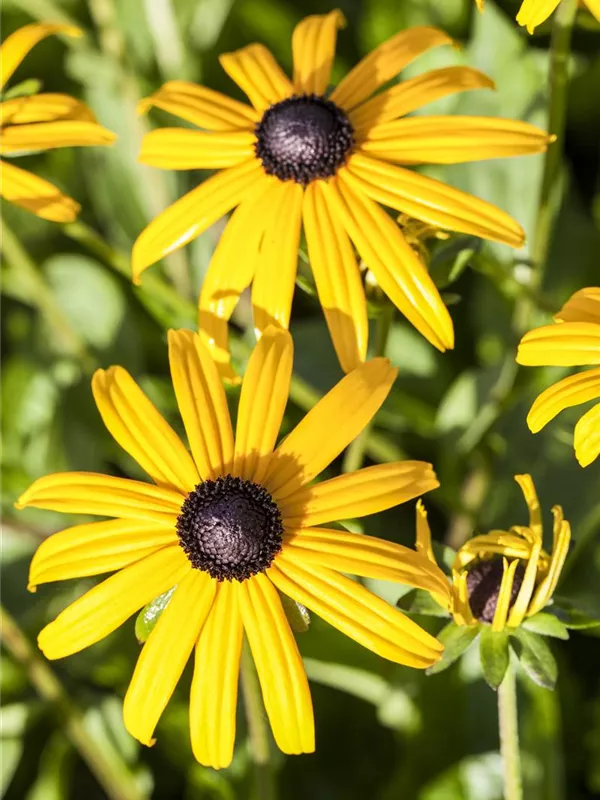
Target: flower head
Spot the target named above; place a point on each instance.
(575, 341)
(40, 122)
(232, 524)
(533, 12)
(302, 157)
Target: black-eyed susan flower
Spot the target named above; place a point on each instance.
(302, 157)
(573, 342)
(533, 12)
(40, 122)
(232, 524)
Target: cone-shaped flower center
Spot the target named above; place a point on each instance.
(303, 138)
(230, 528)
(483, 583)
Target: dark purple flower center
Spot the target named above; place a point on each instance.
(483, 584)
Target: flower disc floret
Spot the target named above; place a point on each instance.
(484, 580)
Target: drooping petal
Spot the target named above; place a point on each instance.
(583, 306)
(533, 12)
(166, 653)
(431, 201)
(280, 669)
(423, 544)
(43, 108)
(397, 268)
(570, 344)
(36, 195)
(461, 610)
(571, 391)
(504, 594)
(201, 106)
(517, 613)
(384, 63)
(533, 504)
(313, 46)
(180, 148)
(134, 421)
(213, 698)
(92, 493)
(594, 7)
(105, 607)
(96, 547)
(562, 539)
(202, 403)
(192, 214)
(257, 74)
(48, 135)
(357, 494)
(587, 437)
(262, 403)
(356, 612)
(16, 46)
(500, 543)
(452, 140)
(337, 277)
(415, 93)
(329, 427)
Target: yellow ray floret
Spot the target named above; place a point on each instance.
(533, 12)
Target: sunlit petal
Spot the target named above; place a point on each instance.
(257, 74)
(583, 306)
(560, 549)
(570, 344)
(587, 437)
(504, 594)
(43, 108)
(16, 46)
(313, 46)
(571, 391)
(180, 148)
(48, 135)
(533, 12)
(36, 195)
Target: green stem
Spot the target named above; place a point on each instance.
(508, 724)
(265, 786)
(112, 775)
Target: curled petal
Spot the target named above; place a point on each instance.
(504, 594)
(18, 44)
(571, 391)
(587, 437)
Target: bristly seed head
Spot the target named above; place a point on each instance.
(230, 528)
(483, 584)
(303, 138)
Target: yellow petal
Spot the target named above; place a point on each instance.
(397, 268)
(329, 427)
(139, 428)
(192, 214)
(48, 135)
(579, 388)
(96, 547)
(257, 74)
(201, 106)
(337, 277)
(479, 4)
(36, 195)
(453, 140)
(570, 344)
(587, 437)
(357, 494)
(533, 504)
(92, 493)
(461, 610)
(43, 108)
(179, 148)
(166, 653)
(275, 277)
(213, 698)
(519, 610)
(533, 12)
(280, 669)
(432, 201)
(18, 44)
(504, 594)
(356, 612)
(583, 306)
(105, 607)
(424, 533)
(414, 93)
(262, 403)
(560, 549)
(594, 7)
(313, 46)
(202, 403)
(506, 544)
(384, 63)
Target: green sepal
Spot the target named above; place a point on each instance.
(418, 601)
(149, 615)
(546, 625)
(456, 640)
(535, 656)
(494, 655)
(297, 614)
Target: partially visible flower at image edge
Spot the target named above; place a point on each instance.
(573, 342)
(502, 577)
(30, 123)
(533, 12)
(302, 157)
(230, 525)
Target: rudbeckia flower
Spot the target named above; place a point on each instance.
(502, 577)
(574, 342)
(302, 157)
(533, 12)
(231, 525)
(40, 122)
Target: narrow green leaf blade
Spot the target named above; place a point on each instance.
(536, 657)
(494, 655)
(456, 640)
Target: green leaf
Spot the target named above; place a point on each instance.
(494, 655)
(149, 615)
(456, 640)
(297, 614)
(418, 601)
(546, 625)
(28, 87)
(451, 259)
(536, 657)
(572, 617)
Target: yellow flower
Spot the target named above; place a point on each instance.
(40, 122)
(501, 577)
(231, 525)
(303, 158)
(575, 341)
(533, 12)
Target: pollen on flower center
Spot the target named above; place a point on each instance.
(303, 138)
(230, 528)
(483, 584)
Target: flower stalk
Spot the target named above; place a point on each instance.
(508, 725)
